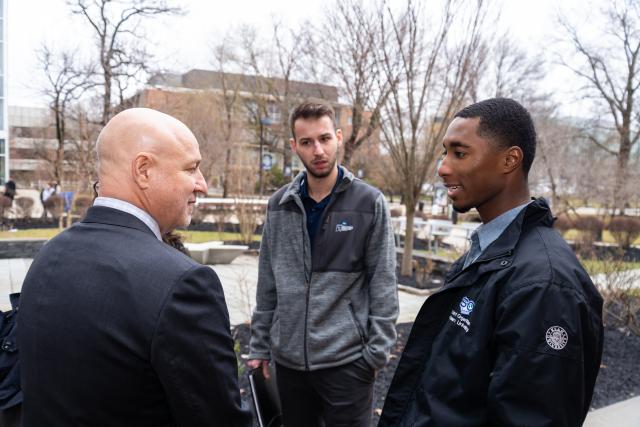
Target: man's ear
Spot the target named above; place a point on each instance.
(339, 137)
(140, 169)
(513, 157)
(294, 146)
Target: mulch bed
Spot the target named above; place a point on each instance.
(619, 377)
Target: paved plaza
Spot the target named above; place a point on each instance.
(238, 279)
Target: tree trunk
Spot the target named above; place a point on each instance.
(286, 159)
(619, 195)
(106, 100)
(349, 149)
(225, 178)
(407, 256)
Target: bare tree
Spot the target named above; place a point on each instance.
(65, 84)
(82, 154)
(275, 89)
(122, 56)
(610, 69)
(346, 45)
(430, 74)
(510, 71)
(230, 112)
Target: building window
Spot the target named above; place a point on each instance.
(273, 111)
(253, 111)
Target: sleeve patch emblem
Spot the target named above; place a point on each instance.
(557, 337)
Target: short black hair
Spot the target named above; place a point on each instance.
(312, 110)
(506, 122)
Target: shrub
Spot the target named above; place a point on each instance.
(563, 224)
(590, 227)
(621, 305)
(24, 206)
(82, 203)
(624, 229)
(248, 216)
(395, 212)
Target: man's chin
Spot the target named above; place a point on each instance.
(323, 173)
(461, 209)
(316, 174)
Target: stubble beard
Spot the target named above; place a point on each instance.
(310, 171)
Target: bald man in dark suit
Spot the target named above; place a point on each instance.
(116, 328)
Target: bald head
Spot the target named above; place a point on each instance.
(132, 131)
(141, 154)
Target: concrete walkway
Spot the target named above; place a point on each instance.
(12, 273)
(621, 414)
(238, 280)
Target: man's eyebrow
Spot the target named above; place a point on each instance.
(457, 144)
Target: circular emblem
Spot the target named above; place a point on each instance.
(557, 337)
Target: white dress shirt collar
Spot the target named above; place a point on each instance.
(121, 205)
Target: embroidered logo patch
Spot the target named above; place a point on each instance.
(557, 337)
(466, 306)
(343, 226)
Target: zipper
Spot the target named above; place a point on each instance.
(309, 273)
(355, 321)
(306, 317)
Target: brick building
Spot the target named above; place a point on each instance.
(255, 106)
(256, 109)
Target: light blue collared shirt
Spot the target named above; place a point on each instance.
(489, 232)
(121, 205)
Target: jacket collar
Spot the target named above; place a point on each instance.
(293, 189)
(110, 216)
(499, 254)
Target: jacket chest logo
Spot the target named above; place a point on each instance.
(466, 306)
(343, 226)
(557, 337)
(459, 319)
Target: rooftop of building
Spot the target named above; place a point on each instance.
(209, 79)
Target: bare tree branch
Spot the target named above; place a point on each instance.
(114, 22)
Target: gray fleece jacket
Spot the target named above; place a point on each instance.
(339, 304)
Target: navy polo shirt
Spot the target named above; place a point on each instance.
(315, 209)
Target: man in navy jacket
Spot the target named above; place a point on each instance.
(116, 328)
(514, 337)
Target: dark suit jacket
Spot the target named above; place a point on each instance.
(118, 329)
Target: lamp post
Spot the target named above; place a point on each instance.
(265, 121)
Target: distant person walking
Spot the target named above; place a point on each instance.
(45, 197)
(6, 201)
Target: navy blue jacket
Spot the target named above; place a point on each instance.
(119, 329)
(515, 339)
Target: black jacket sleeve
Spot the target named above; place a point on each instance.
(192, 353)
(548, 346)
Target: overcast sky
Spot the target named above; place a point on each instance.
(182, 43)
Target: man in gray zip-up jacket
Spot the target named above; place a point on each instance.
(327, 297)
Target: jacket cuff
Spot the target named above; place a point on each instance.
(373, 361)
(262, 356)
